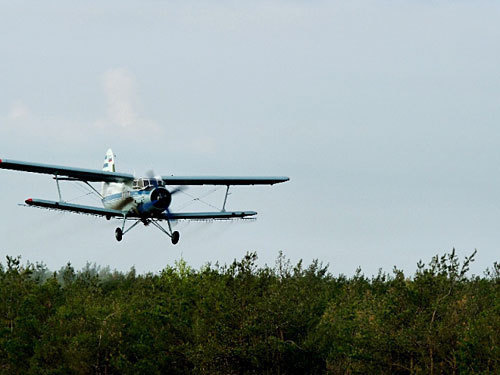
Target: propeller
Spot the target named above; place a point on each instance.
(153, 179)
(178, 189)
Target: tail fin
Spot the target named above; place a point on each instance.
(108, 166)
(109, 162)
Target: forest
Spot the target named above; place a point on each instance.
(243, 318)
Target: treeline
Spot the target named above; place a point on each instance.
(245, 319)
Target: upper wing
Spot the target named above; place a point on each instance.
(90, 175)
(76, 208)
(198, 180)
(93, 175)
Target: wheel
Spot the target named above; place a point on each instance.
(175, 237)
(108, 217)
(118, 234)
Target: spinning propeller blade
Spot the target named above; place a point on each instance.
(152, 178)
(178, 189)
(154, 181)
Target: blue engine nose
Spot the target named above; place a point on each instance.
(161, 198)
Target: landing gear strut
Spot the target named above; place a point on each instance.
(174, 235)
(120, 232)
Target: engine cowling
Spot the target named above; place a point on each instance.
(160, 198)
(157, 200)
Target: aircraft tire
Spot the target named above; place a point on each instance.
(175, 237)
(118, 234)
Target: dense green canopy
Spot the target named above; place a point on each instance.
(245, 319)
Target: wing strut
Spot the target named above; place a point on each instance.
(56, 177)
(93, 188)
(225, 199)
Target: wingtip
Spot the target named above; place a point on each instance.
(281, 179)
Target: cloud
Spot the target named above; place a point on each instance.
(203, 145)
(18, 111)
(23, 121)
(122, 101)
(119, 87)
(121, 118)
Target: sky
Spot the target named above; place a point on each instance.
(384, 114)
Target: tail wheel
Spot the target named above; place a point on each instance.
(175, 237)
(118, 234)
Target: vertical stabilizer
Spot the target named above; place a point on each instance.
(109, 162)
(108, 166)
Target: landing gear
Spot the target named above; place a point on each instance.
(175, 237)
(118, 234)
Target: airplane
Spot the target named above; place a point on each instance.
(143, 200)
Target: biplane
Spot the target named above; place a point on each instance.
(141, 200)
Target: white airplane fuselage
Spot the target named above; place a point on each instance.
(116, 196)
(146, 196)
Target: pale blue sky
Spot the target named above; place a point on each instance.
(384, 114)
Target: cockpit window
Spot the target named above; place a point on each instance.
(142, 183)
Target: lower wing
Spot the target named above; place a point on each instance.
(97, 211)
(76, 208)
(224, 215)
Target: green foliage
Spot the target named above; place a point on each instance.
(241, 318)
